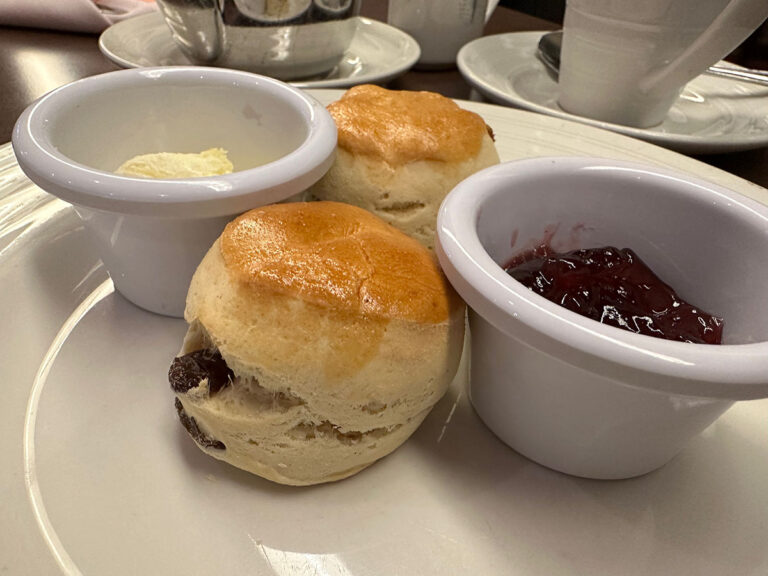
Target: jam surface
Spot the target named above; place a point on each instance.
(615, 287)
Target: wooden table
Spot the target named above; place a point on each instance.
(32, 62)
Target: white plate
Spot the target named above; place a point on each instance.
(91, 450)
(378, 52)
(712, 115)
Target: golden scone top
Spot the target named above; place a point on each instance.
(401, 126)
(340, 256)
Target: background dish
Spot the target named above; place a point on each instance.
(378, 52)
(712, 115)
(88, 435)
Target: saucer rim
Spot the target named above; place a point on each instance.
(408, 56)
(686, 143)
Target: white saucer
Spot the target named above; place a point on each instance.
(713, 115)
(378, 52)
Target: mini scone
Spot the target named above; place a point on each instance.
(399, 153)
(319, 339)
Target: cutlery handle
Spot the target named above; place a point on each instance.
(744, 74)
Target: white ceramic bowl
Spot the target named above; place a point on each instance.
(573, 394)
(151, 234)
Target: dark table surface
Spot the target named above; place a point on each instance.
(32, 62)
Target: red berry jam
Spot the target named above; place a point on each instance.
(615, 287)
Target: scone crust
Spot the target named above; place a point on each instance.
(336, 255)
(400, 126)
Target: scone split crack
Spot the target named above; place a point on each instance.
(203, 377)
(203, 374)
(249, 426)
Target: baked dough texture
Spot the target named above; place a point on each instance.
(341, 332)
(399, 153)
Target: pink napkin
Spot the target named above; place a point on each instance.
(71, 15)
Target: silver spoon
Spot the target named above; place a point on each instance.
(551, 44)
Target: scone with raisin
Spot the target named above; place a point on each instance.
(319, 339)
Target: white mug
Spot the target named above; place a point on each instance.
(441, 27)
(626, 61)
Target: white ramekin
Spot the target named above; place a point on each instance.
(151, 234)
(573, 394)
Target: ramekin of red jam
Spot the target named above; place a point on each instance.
(615, 287)
(562, 389)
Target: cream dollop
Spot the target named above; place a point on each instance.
(211, 162)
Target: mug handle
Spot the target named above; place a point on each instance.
(731, 27)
